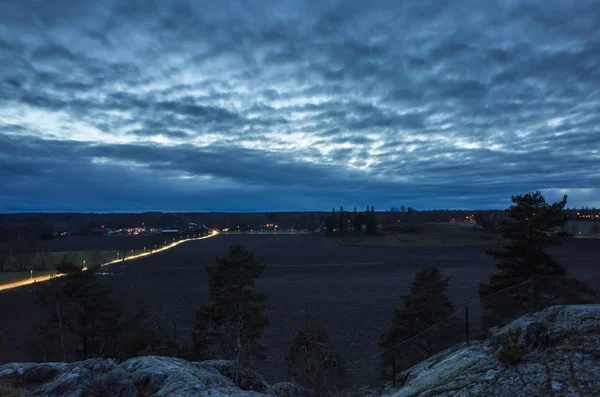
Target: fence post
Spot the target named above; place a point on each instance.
(467, 322)
(394, 366)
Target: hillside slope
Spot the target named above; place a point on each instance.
(560, 356)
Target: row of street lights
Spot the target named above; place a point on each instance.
(152, 251)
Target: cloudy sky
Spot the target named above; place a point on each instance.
(293, 105)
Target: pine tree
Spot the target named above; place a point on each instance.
(341, 222)
(426, 305)
(371, 221)
(231, 324)
(329, 225)
(530, 230)
(411, 219)
(90, 320)
(66, 266)
(314, 363)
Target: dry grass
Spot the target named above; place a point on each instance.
(9, 277)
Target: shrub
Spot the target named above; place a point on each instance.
(314, 362)
(511, 351)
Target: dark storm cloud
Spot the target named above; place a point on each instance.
(431, 104)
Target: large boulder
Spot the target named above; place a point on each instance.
(286, 389)
(94, 377)
(561, 357)
(30, 373)
(247, 379)
(166, 376)
(141, 376)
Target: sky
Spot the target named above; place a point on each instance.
(297, 105)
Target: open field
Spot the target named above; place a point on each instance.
(48, 260)
(9, 277)
(352, 289)
(428, 235)
(101, 243)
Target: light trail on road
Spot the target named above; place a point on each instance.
(42, 279)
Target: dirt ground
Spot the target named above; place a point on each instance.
(351, 289)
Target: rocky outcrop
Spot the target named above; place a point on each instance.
(246, 380)
(559, 355)
(555, 353)
(286, 389)
(141, 376)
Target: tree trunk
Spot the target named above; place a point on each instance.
(238, 351)
(60, 329)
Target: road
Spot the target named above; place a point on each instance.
(42, 279)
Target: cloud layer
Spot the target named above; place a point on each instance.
(270, 105)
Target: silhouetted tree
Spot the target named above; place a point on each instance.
(231, 324)
(425, 305)
(66, 266)
(530, 231)
(90, 319)
(341, 222)
(411, 219)
(314, 363)
(484, 223)
(330, 222)
(371, 221)
(329, 225)
(402, 208)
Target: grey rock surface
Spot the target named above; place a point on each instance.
(32, 373)
(141, 376)
(89, 378)
(166, 376)
(562, 358)
(247, 379)
(286, 389)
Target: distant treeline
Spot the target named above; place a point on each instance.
(43, 225)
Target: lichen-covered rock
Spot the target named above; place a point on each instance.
(563, 359)
(166, 376)
(247, 379)
(286, 389)
(94, 377)
(141, 376)
(30, 373)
